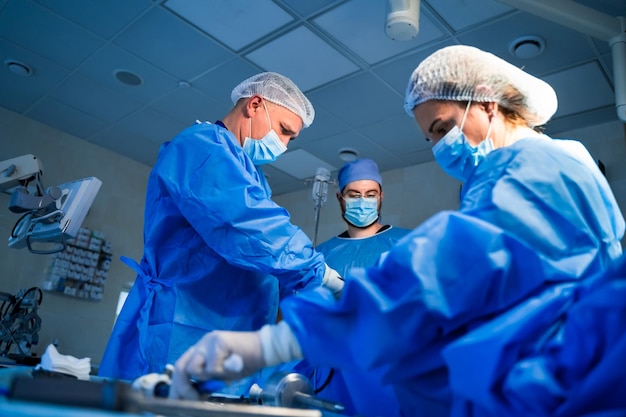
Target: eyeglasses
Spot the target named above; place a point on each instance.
(358, 195)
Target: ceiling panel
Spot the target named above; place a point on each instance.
(189, 55)
(591, 91)
(19, 93)
(460, 15)
(161, 38)
(46, 34)
(188, 105)
(102, 66)
(255, 19)
(365, 36)
(296, 52)
(353, 97)
(95, 99)
(104, 18)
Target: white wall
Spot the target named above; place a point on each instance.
(415, 193)
(82, 327)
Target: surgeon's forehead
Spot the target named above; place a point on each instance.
(362, 186)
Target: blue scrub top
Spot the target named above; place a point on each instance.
(534, 215)
(362, 393)
(218, 254)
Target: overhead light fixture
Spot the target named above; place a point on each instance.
(402, 19)
(348, 154)
(18, 68)
(527, 47)
(128, 78)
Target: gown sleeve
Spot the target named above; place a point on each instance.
(220, 194)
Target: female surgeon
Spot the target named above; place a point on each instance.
(537, 223)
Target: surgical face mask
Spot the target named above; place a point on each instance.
(455, 154)
(264, 150)
(361, 212)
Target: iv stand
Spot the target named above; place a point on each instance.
(320, 195)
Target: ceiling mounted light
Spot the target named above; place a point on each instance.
(402, 19)
(128, 78)
(348, 154)
(18, 68)
(527, 47)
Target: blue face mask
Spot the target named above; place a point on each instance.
(456, 156)
(264, 150)
(361, 212)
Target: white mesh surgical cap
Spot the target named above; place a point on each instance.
(279, 90)
(463, 73)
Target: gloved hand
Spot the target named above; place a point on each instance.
(218, 355)
(333, 281)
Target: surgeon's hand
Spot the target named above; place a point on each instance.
(333, 281)
(218, 355)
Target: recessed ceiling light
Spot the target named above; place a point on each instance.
(527, 47)
(348, 154)
(18, 68)
(128, 78)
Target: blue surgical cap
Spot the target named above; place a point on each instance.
(359, 169)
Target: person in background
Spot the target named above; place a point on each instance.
(490, 310)
(360, 199)
(218, 252)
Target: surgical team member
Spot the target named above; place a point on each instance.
(218, 252)
(360, 199)
(536, 213)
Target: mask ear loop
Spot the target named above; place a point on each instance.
(489, 128)
(267, 113)
(465, 114)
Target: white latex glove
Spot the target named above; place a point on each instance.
(333, 281)
(218, 355)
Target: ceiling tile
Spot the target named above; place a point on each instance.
(65, 118)
(255, 19)
(328, 150)
(558, 52)
(306, 8)
(104, 18)
(461, 14)
(300, 164)
(398, 134)
(324, 124)
(350, 100)
(19, 93)
(558, 125)
(37, 29)
(154, 125)
(168, 42)
(592, 89)
(361, 29)
(296, 52)
(102, 66)
(101, 102)
(219, 82)
(188, 105)
(397, 72)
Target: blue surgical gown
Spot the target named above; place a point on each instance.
(361, 393)
(533, 215)
(218, 254)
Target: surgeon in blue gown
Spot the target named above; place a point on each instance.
(218, 252)
(512, 305)
(360, 199)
